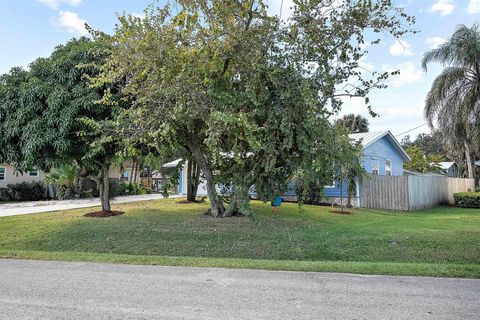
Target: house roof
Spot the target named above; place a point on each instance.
(446, 165)
(415, 173)
(172, 164)
(369, 138)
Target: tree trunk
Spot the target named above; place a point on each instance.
(341, 193)
(132, 170)
(105, 196)
(103, 185)
(468, 158)
(193, 175)
(216, 203)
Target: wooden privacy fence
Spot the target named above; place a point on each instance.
(408, 193)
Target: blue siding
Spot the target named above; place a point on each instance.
(383, 150)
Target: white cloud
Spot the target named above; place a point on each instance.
(274, 8)
(473, 6)
(72, 22)
(138, 15)
(409, 73)
(435, 42)
(445, 7)
(400, 48)
(55, 4)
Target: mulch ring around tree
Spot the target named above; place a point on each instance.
(103, 214)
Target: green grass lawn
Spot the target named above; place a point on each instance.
(443, 241)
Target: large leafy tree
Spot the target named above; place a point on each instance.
(422, 162)
(49, 116)
(246, 96)
(355, 123)
(453, 103)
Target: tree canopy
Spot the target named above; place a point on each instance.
(421, 162)
(355, 123)
(247, 96)
(49, 116)
(453, 102)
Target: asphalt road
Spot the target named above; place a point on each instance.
(61, 290)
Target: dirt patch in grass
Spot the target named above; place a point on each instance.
(103, 214)
(201, 200)
(340, 212)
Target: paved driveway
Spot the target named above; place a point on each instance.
(18, 208)
(61, 290)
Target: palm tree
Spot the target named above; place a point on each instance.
(453, 102)
(355, 123)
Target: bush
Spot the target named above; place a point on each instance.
(66, 193)
(4, 195)
(467, 199)
(123, 188)
(25, 191)
(477, 189)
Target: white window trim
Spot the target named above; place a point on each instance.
(378, 165)
(388, 160)
(4, 174)
(332, 186)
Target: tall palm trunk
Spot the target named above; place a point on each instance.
(468, 158)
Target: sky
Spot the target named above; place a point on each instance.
(32, 28)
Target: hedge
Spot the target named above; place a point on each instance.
(24, 191)
(467, 199)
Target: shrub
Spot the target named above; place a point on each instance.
(467, 199)
(124, 188)
(66, 193)
(116, 188)
(477, 189)
(5, 194)
(26, 191)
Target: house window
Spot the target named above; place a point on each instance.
(375, 166)
(3, 174)
(388, 168)
(33, 173)
(332, 185)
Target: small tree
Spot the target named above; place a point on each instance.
(348, 168)
(49, 116)
(420, 161)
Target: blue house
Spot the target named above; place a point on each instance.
(382, 155)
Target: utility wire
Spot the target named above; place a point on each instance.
(401, 134)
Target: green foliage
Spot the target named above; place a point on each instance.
(24, 191)
(50, 115)
(354, 123)
(63, 192)
(348, 168)
(421, 162)
(249, 98)
(452, 102)
(467, 199)
(64, 175)
(430, 143)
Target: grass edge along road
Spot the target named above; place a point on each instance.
(441, 242)
(366, 268)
